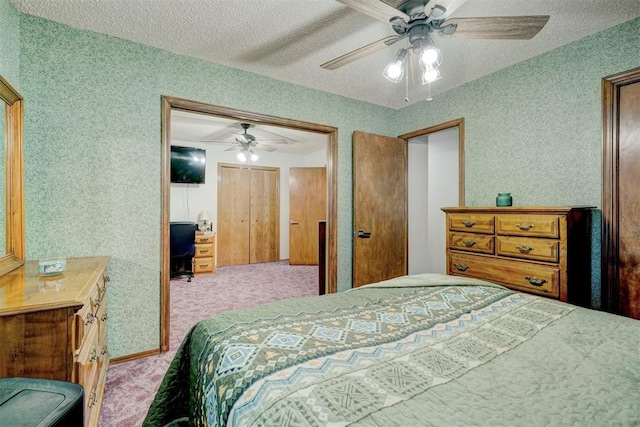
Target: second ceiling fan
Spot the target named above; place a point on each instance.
(245, 143)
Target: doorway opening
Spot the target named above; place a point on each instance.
(435, 179)
(174, 105)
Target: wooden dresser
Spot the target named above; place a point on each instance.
(204, 260)
(541, 250)
(56, 327)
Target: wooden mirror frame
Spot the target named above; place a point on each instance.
(14, 179)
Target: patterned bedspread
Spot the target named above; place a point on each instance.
(402, 352)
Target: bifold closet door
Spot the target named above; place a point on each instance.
(248, 214)
(233, 215)
(264, 230)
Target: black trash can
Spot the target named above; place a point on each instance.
(36, 402)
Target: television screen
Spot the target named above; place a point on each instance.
(187, 165)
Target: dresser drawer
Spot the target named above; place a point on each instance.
(204, 238)
(203, 265)
(528, 225)
(475, 223)
(203, 250)
(85, 318)
(524, 276)
(471, 242)
(529, 248)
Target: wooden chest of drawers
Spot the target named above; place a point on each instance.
(204, 260)
(56, 327)
(541, 250)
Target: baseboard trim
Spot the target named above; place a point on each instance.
(134, 356)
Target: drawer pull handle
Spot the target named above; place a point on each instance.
(204, 251)
(524, 249)
(94, 356)
(90, 319)
(461, 267)
(468, 243)
(535, 281)
(524, 227)
(468, 224)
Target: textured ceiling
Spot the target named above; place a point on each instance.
(288, 40)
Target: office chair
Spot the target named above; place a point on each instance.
(183, 247)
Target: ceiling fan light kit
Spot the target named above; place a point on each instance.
(418, 20)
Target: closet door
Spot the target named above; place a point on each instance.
(234, 192)
(264, 232)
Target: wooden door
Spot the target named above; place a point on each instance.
(379, 208)
(264, 243)
(234, 192)
(307, 206)
(621, 198)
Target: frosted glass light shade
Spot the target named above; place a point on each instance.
(395, 70)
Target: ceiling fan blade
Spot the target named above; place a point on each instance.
(232, 148)
(498, 27)
(241, 138)
(273, 141)
(441, 9)
(264, 148)
(375, 9)
(361, 52)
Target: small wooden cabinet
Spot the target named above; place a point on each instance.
(541, 250)
(56, 327)
(204, 260)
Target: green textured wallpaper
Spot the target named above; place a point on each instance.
(92, 130)
(10, 43)
(535, 129)
(92, 157)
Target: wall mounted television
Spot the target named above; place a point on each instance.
(187, 165)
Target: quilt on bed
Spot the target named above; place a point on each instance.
(347, 359)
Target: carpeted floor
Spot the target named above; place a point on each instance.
(131, 385)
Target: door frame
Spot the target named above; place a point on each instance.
(171, 103)
(610, 202)
(440, 127)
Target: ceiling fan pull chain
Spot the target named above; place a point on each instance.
(406, 86)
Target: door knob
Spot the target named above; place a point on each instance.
(363, 234)
(293, 222)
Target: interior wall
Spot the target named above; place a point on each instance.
(92, 156)
(433, 183)
(188, 200)
(535, 129)
(10, 43)
(92, 133)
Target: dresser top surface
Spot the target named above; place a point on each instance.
(25, 290)
(515, 209)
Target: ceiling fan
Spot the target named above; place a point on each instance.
(418, 20)
(245, 143)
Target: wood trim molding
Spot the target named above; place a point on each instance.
(610, 198)
(130, 357)
(14, 249)
(440, 127)
(171, 103)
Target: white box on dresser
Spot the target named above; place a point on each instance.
(55, 327)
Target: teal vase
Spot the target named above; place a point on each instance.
(504, 199)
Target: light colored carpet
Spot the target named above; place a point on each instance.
(131, 386)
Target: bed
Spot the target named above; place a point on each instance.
(421, 350)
